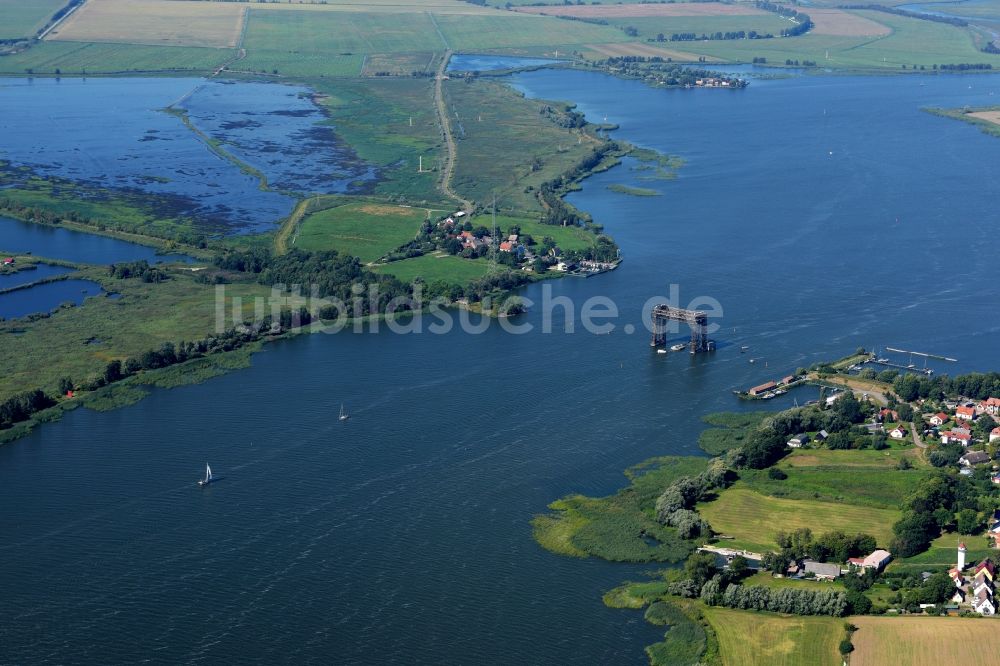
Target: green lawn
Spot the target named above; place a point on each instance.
(943, 554)
(24, 18)
(365, 230)
(753, 519)
(433, 267)
(748, 638)
(650, 26)
(567, 238)
(295, 63)
(92, 58)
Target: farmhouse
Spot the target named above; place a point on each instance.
(939, 419)
(763, 388)
(952, 437)
(823, 571)
(974, 458)
(899, 432)
(965, 413)
(877, 560)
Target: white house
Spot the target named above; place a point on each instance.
(877, 560)
(983, 604)
(939, 419)
(994, 434)
(974, 458)
(798, 441)
(899, 432)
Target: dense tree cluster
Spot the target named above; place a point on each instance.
(951, 20)
(976, 385)
(804, 22)
(675, 505)
(718, 35)
(776, 600)
(138, 269)
(20, 407)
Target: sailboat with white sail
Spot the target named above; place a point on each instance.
(208, 477)
(343, 413)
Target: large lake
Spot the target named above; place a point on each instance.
(822, 213)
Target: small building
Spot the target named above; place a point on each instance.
(789, 379)
(982, 603)
(986, 568)
(965, 413)
(939, 419)
(994, 434)
(822, 435)
(974, 458)
(958, 597)
(877, 560)
(822, 570)
(899, 432)
(763, 388)
(798, 441)
(8, 261)
(506, 246)
(886, 414)
(991, 406)
(951, 437)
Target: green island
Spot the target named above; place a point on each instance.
(986, 118)
(815, 533)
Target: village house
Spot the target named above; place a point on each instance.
(507, 246)
(899, 432)
(974, 458)
(822, 571)
(789, 379)
(952, 437)
(798, 441)
(994, 434)
(982, 603)
(991, 406)
(965, 413)
(8, 261)
(763, 388)
(877, 560)
(822, 435)
(939, 419)
(887, 414)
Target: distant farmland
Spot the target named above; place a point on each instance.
(638, 10)
(24, 18)
(76, 58)
(155, 22)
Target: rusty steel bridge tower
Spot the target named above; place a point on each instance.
(698, 321)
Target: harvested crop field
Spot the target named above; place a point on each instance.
(628, 11)
(844, 24)
(155, 23)
(924, 641)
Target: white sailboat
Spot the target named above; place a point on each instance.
(343, 414)
(208, 477)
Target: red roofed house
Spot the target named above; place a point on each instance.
(949, 437)
(506, 246)
(889, 414)
(8, 261)
(939, 419)
(985, 567)
(991, 406)
(899, 432)
(995, 434)
(965, 413)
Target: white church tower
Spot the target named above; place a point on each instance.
(961, 556)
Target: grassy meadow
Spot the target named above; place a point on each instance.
(436, 266)
(753, 520)
(90, 58)
(753, 639)
(365, 230)
(943, 554)
(24, 19)
(567, 238)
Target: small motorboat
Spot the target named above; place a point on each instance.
(661, 351)
(678, 347)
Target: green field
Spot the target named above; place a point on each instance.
(729, 431)
(293, 63)
(492, 118)
(24, 18)
(92, 58)
(748, 638)
(390, 123)
(505, 30)
(437, 266)
(37, 354)
(612, 527)
(912, 42)
(753, 520)
(333, 33)
(650, 26)
(365, 230)
(566, 238)
(942, 555)
(862, 477)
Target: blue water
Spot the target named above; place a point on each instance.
(487, 63)
(821, 213)
(279, 130)
(23, 277)
(110, 133)
(45, 298)
(19, 237)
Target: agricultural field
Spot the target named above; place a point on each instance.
(21, 18)
(635, 10)
(77, 58)
(748, 638)
(327, 33)
(507, 30)
(390, 123)
(846, 24)
(650, 27)
(647, 50)
(155, 22)
(911, 42)
(302, 65)
(924, 641)
(434, 267)
(486, 165)
(753, 519)
(365, 230)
